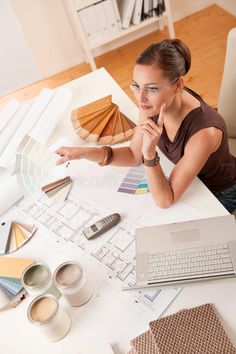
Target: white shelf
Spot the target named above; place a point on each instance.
(72, 9)
(124, 32)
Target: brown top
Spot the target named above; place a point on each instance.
(219, 172)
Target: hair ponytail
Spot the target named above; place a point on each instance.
(170, 55)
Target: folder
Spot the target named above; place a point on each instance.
(117, 14)
(102, 20)
(110, 16)
(126, 12)
(90, 24)
(136, 18)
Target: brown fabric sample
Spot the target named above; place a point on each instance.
(193, 331)
(144, 344)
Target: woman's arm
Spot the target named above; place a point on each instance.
(123, 156)
(166, 191)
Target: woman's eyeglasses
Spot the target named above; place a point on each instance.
(150, 90)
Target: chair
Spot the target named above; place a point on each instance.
(227, 96)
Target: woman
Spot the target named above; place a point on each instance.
(177, 121)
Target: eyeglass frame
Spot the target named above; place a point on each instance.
(148, 90)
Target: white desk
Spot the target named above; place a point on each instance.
(17, 335)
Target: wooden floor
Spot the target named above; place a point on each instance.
(205, 32)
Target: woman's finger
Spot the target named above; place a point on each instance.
(161, 115)
(62, 160)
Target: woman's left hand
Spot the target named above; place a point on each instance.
(151, 134)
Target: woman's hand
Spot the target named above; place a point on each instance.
(67, 154)
(151, 134)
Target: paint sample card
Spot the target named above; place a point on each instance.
(14, 235)
(11, 289)
(135, 181)
(35, 166)
(58, 190)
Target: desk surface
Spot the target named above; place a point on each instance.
(90, 321)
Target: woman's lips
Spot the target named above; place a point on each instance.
(145, 106)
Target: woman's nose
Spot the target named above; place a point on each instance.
(142, 96)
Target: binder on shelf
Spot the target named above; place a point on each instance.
(81, 4)
(146, 9)
(117, 14)
(126, 12)
(102, 20)
(136, 18)
(111, 16)
(90, 24)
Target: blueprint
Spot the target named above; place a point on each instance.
(108, 261)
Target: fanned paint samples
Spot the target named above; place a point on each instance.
(58, 190)
(102, 122)
(13, 235)
(135, 181)
(11, 289)
(35, 166)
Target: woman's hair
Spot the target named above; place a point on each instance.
(170, 55)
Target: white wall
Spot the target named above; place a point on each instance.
(50, 36)
(17, 66)
(228, 5)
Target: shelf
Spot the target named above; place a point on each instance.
(129, 30)
(72, 9)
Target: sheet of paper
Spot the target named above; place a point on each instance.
(108, 260)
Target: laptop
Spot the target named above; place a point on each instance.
(186, 251)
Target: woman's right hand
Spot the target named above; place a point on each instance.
(67, 154)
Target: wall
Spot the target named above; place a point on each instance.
(228, 5)
(17, 65)
(50, 37)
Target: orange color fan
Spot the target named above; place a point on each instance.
(102, 122)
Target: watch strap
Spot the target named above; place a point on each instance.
(151, 163)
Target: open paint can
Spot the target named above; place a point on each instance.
(37, 280)
(46, 313)
(72, 282)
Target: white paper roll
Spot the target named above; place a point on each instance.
(10, 193)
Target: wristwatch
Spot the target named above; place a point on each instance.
(153, 162)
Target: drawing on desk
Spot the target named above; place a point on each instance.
(113, 251)
(35, 166)
(14, 235)
(135, 181)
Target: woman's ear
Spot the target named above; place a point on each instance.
(180, 83)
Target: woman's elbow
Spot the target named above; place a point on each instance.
(164, 203)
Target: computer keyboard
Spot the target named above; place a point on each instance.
(188, 263)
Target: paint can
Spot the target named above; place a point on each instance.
(37, 280)
(46, 313)
(72, 282)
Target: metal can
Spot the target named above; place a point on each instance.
(37, 280)
(46, 313)
(72, 282)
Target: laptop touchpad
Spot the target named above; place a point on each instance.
(185, 236)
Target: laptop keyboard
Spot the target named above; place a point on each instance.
(186, 263)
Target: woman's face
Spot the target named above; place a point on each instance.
(152, 89)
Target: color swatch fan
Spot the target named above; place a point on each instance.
(134, 182)
(35, 166)
(102, 122)
(13, 235)
(11, 289)
(58, 190)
